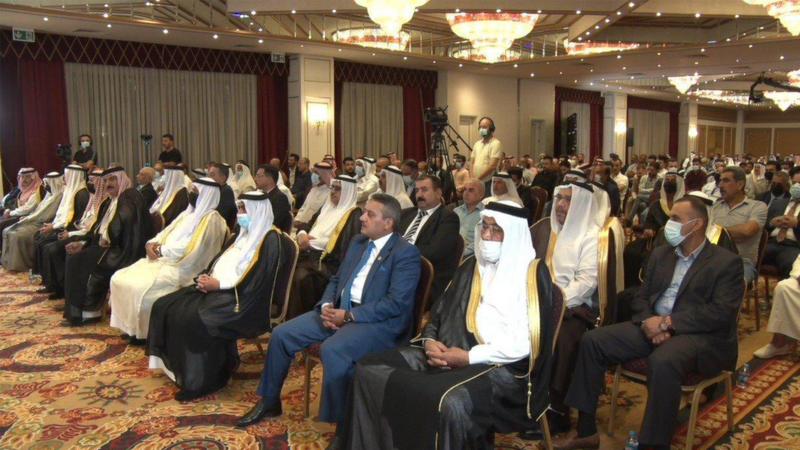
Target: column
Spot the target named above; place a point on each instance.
(311, 110)
(615, 125)
(739, 138)
(687, 130)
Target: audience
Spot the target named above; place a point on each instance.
(320, 181)
(503, 189)
(349, 165)
(460, 174)
(243, 178)
(783, 227)
(367, 181)
(469, 213)
(778, 188)
(645, 188)
(292, 168)
(174, 199)
(547, 178)
(784, 320)
(301, 185)
(604, 177)
(23, 199)
(411, 172)
(267, 177)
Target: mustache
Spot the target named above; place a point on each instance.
(420, 199)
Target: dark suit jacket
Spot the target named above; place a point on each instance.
(148, 193)
(707, 304)
(281, 210)
(778, 208)
(301, 186)
(437, 242)
(227, 205)
(613, 195)
(526, 196)
(387, 301)
(767, 196)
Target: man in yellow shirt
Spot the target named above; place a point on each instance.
(486, 153)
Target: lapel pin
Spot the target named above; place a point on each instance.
(380, 257)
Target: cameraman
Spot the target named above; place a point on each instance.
(486, 153)
(171, 156)
(85, 156)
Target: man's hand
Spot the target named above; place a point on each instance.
(790, 222)
(74, 247)
(452, 357)
(207, 283)
(660, 338)
(6, 214)
(650, 327)
(63, 235)
(304, 241)
(437, 348)
(150, 248)
(332, 318)
(104, 243)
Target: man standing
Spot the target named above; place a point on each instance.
(267, 182)
(292, 163)
(486, 153)
(469, 213)
(461, 174)
(171, 156)
(85, 157)
(145, 180)
(301, 184)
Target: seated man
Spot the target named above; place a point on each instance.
(742, 217)
(323, 244)
(29, 192)
(367, 180)
(685, 321)
(645, 188)
(174, 199)
(243, 177)
(469, 212)
(321, 178)
(497, 362)
(367, 306)
(174, 257)
(302, 182)
(784, 321)
(391, 182)
(783, 227)
(18, 238)
(117, 242)
(503, 189)
(267, 177)
(193, 331)
(779, 186)
(434, 230)
(603, 175)
(145, 180)
(523, 190)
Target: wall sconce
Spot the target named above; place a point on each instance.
(621, 127)
(318, 115)
(692, 131)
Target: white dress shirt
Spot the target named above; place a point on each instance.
(789, 231)
(357, 288)
(422, 223)
(622, 183)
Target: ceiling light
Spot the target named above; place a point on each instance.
(491, 34)
(105, 5)
(260, 41)
(533, 75)
(216, 36)
(697, 16)
(108, 25)
(166, 31)
(782, 58)
(737, 16)
(578, 11)
(591, 48)
(373, 38)
(739, 98)
(516, 65)
(794, 78)
(499, 10)
(608, 20)
(405, 58)
(391, 15)
(619, 13)
(458, 10)
(252, 13)
(46, 19)
(787, 11)
(294, 11)
(658, 14)
(333, 11)
(783, 99)
(683, 84)
(260, 29)
(539, 11)
(105, 15)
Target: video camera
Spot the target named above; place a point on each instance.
(437, 117)
(147, 138)
(64, 151)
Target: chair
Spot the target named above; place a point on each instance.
(533, 211)
(753, 287)
(558, 316)
(624, 206)
(766, 272)
(541, 197)
(158, 222)
(312, 353)
(693, 383)
(460, 246)
(280, 300)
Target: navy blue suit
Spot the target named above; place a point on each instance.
(382, 320)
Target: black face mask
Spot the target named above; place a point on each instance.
(768, 175)
(670, 187)
(90, 188)
(778, 190)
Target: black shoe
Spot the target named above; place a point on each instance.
(262, 410)
(137, 342)
(533, 434)
(55, 296)
(81, 322)
(44, 290)
(336, 444)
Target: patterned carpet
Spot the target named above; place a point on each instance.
(86, 388)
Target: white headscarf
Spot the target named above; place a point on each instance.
(680, 192)
(395, 186)
(369, 167)
(603, 204)
(259, 209)
(581, 221)
(575, 175)
(173, 182)
(74, 176)
(55, 182)
(331, 214)
(231, 182)
(207, 200)
(245, 182)
(512, 194)
(753, 172)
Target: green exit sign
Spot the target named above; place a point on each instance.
(23, 35)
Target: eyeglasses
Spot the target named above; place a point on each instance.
(496, 231)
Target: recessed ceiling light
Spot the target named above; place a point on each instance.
(697, 15)
(658, 14)
(561, 73)
(624, 68)
(333, 11)
(499, 10)
(580, 38)
(696, 63)
(260, 29)
(659, 65)
(782, 57)
(405, 58)
(216, 36)
(751, 45)
(608, 20)
(458, 10)
(588, 33)
(702, 50)
(434, 62)
(576, 81)
(619, 13)
(301, 45)
(105, 15)
(252, 13)
(294, 11)
(260, 41)
(737, 16)
(591, 84)
(619, 56)
(374, 55)
(105, 5)
(416, 9)
(631, 4)
(108, 26)
(597, 27)
(460, 65)
(533, 75)
(591, 71)
(340, 49)
(46, 19)
(516, 65)
(166, 31)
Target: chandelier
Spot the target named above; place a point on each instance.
(373, 38)
(738, 98)
(787, 11)
(391, 15)
(794, 78)
(491, 34)
(683, 84)
(471, 54)
(591, 48)
(783, 99)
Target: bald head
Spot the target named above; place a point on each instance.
(145, 175)
(275, 162)
(474, 190)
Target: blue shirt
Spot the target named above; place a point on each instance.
(468, 222)
(666, 302)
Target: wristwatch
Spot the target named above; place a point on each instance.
(663, 326)
(348, 316)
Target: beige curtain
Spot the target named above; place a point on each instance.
(583, 112)
(211, 115)
(650, 131)
(372, 119)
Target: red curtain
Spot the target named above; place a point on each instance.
(273, 119)
(416, 132)
(33, 104)
(595, 131)
(596, 102)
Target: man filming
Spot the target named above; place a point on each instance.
(85, 156)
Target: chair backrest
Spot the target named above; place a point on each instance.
(558, 311)
(534, 211)
(540, 236)
(541, 196)
(422, 294)
(158, 222)
(280, 300)
(762, 246)
(461, 244)
(607, 268)
(624, 203)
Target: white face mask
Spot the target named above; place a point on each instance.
(85, 144)
(490, 250)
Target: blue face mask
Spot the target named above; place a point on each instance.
(794, 191)
(314, 178)
(484, 132)
(360, 171)
(244, 221)
(239, 173)
(458, 164)
(672, 232)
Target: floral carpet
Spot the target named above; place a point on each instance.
(86, 388)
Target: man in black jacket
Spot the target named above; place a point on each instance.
(434, 230)
(783, 226)
(547, 178)
(302, 182)
(604, 170)
(267, 181)
(779, 188)
(145, 187)
(684, 321)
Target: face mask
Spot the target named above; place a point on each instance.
(777, 190)
(407, 180)
(768, 176)
(458, 164)
(314, 179)
(598, 178)
(672, 232)
(85, 144)
(490, 250)
(359, 171)
(671, 187)
(239, 173)
(484, 132)
(244, 221)
(795, 191)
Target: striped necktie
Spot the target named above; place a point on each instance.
(409, 236)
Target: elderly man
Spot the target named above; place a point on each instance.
(469, 213)
(685, 321)
(503, 189)
(321, 177)
(144, 179)
(784, 321)
(391, 182)
(367, 180)
(29, 192)
(742, 217)
(174, 199)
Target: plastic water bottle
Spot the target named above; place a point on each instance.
(632, 443)
(744, 376)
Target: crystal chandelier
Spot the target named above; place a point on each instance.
(794, 78)
(787, 11)
(783, 99)
(683, 84)
(491, 34)
(738, 98)
(591, 48)
(391, 15)
(373, 38)
(471, 54)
